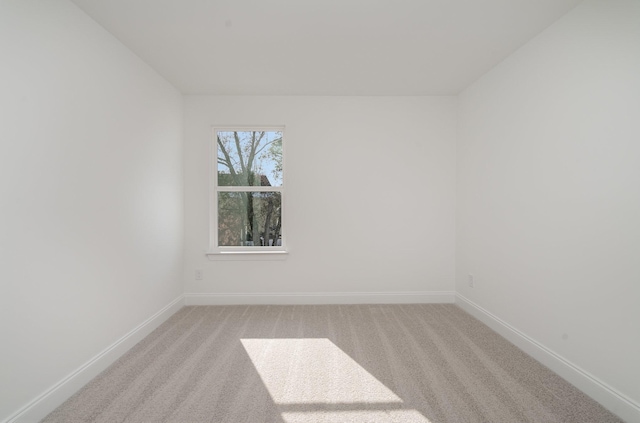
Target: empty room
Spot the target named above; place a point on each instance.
(419, 211)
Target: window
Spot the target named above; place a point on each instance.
(248, 189)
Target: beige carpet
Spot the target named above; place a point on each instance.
(334, 364)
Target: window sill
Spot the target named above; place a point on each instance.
(247, 255)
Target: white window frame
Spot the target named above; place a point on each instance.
(239, 252)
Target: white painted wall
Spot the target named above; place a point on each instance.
(548, 204)
(91, 194)
(548, 211)
(370, 194)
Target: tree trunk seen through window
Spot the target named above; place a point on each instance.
(249, 159)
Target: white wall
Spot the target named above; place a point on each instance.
(549, 191)
(370, 194)
(90, 190)
(548, 204)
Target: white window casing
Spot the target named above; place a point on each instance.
(239, 247)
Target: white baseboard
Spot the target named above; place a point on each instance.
(608, 397)
(613, 400)
(49, 400)
(320, 298)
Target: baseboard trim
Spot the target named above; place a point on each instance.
(608, 397)
(320, 298)
(49, 400)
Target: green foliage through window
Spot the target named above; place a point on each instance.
(249, 217)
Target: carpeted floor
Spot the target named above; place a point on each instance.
(336, 364)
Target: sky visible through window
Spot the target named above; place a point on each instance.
(256, 153)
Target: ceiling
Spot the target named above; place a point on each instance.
(324, 47)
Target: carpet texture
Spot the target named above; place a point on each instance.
(427, 363)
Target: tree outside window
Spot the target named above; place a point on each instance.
(248, 189)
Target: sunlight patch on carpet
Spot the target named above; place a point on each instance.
(368, 416)
(313, 370)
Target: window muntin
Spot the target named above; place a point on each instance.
(248, 190)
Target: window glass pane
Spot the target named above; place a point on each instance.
(249, 158)
(249, 219)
